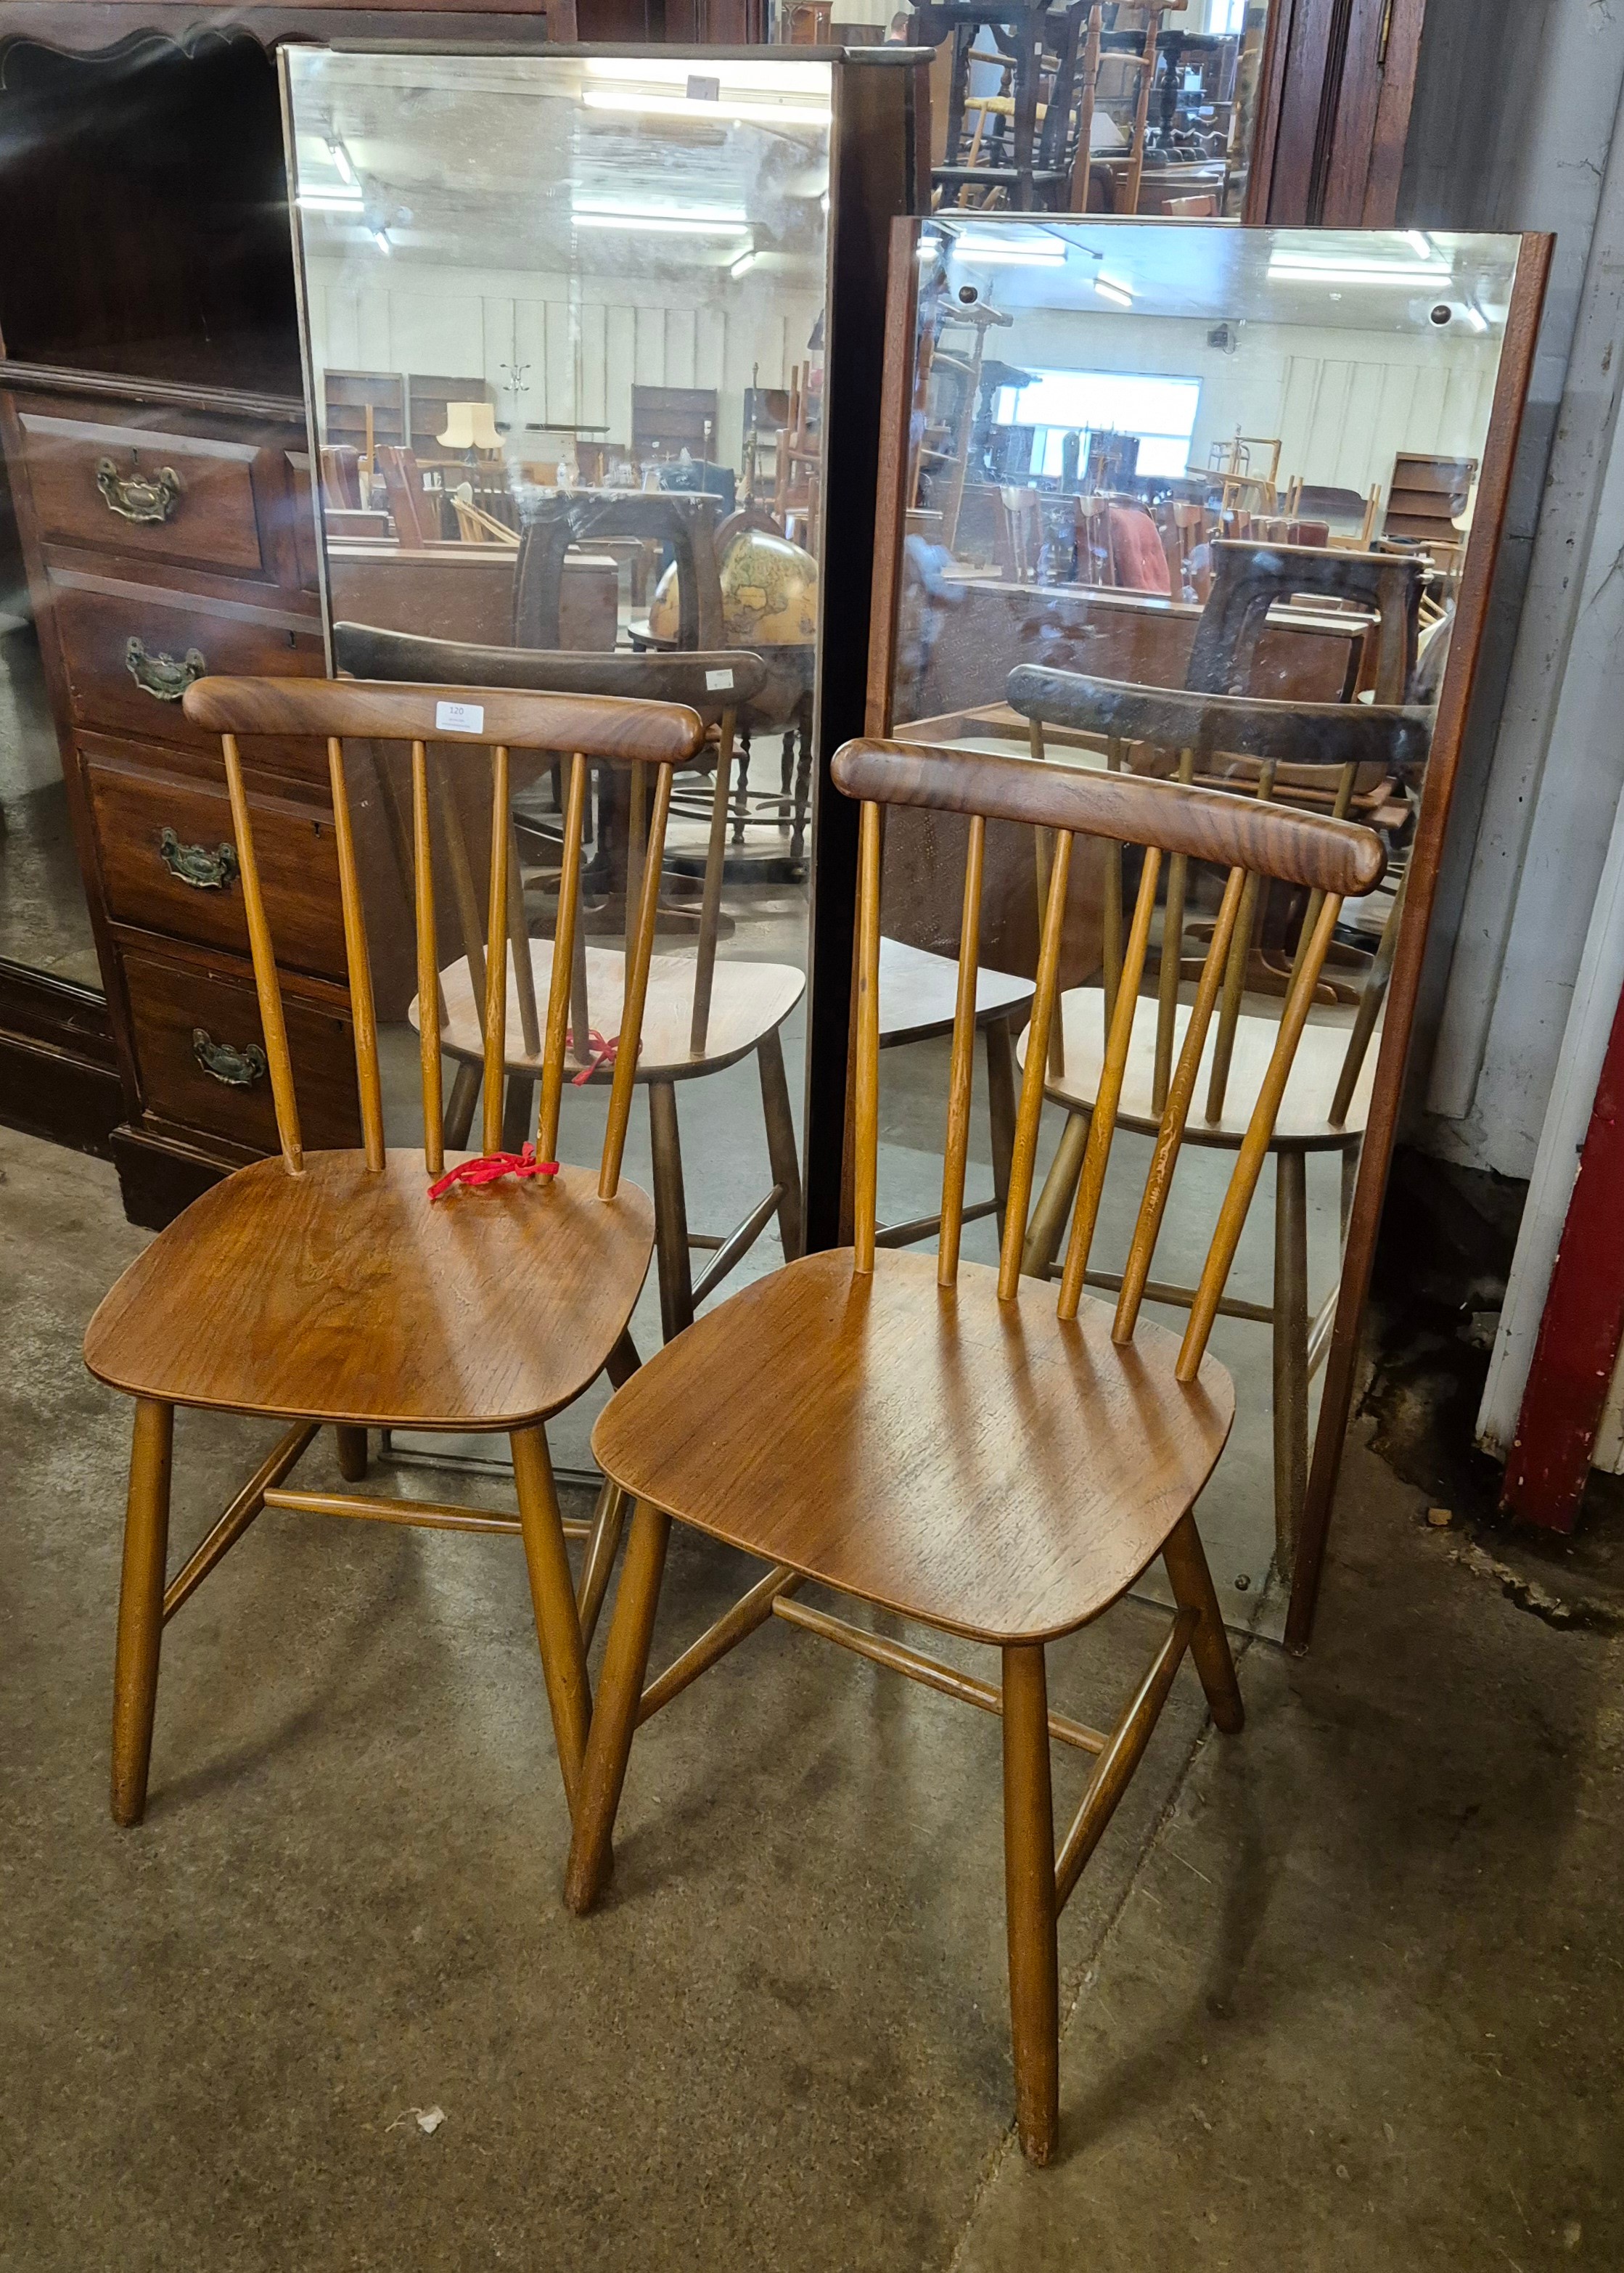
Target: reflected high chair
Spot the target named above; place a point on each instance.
(387, 1288)
(939, 1438)
(702, 1013)
(1326, 1102)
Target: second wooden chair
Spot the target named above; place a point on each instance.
(943, 1440)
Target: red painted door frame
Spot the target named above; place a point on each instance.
(1583, 1322)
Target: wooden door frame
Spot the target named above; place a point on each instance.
(1335, 91)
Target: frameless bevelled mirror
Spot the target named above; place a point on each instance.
(1196, 501)
(565, 317)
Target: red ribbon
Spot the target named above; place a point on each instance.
(491, 1168)
(602, 1053)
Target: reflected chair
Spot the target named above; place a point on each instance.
(701, 1014)
(335, 1289)
(940, 1439)
(1326, 1102)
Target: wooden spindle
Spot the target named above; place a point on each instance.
(1254, 1145)
(1370, 999)
(636, 798)
(1112, 941)
(496, 958)
(463, 893)
(710, 904)
(266, 985)
(1044, 854)
(427, 969)
(1170, 1137)
(1029, 1111)
(1172, 957)
(961, 1073)
(637, 989)
(519, 939)
(565, 932)
(1235, 976)
(1103, 1121)
(364, 1016)
(1311, 912)
(865, 1138)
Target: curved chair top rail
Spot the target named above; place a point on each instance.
(1206, 824)
(1236, 725)
(710, 681)
(595, 726)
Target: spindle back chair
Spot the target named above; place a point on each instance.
(1324, 1107)
(946, 1440)
(700, 1014)
(396, 1286)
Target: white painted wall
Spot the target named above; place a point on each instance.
(577, 349)
(1515, 127)
(1342, 402)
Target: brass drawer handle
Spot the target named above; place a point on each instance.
(196, 865)
(163, 677)
(138, 496)
(237, 1068)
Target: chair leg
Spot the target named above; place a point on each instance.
(780, 1147)
(1054, 1201)
(140, 1606)
(459, 1105)
(1191, 1581)
(608, 1522)
(620, 1688)
(352, 1453)
(1001, 1105)
(552, 1596)
(1029, 1900)
(670, 1212)
(1290, 1349)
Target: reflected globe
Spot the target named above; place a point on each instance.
(769, 594)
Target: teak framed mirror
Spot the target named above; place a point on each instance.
(1131, 472)
(593, 342)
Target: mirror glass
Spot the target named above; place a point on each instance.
(44, 920)
(565, 322)
(1242, 463)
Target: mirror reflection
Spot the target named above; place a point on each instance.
(1194, 501)
(565, 317)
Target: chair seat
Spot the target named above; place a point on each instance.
(919, 991)
(1312, 1085)
(748, 1002)
(338, 1296)
(955, 1459)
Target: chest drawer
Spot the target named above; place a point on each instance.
(199, 500)
(169, 864)
(199, 1051)
(129, 652)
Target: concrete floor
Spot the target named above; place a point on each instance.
(1343, 1993)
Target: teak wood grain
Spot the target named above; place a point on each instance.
(924, 1441)
(1332, 856)
(344, 1295)
(601, 726)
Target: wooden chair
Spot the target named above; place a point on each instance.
(700, 1016)
(415, 515)
(1196, 208)
(1326, 1102)
(942, 1441)
(333, 1289)
(1028, 163)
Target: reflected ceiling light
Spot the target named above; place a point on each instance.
(808, 80)
(331, 200)
(380, 238)
(1040, 251)
(682, 105)
(745, 262)
(1420, 243)
(1312, 267)
(698, 221)
(340, 158)
(1109, 289)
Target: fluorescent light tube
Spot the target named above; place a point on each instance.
(743, 264)
(1108, 288)
(341, 159)
(679, 106)
(660, 224)
(331, 200)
